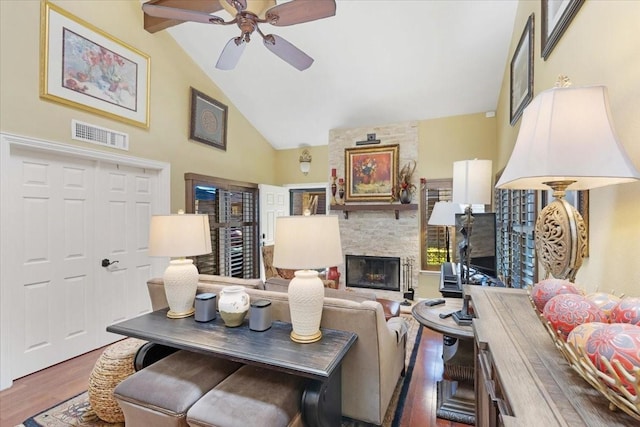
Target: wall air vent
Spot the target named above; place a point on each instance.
(99, 135)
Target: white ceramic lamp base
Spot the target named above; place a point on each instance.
(180, 285)
(306, 298)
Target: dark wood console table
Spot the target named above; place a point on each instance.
(521, 378)
(455, 398)
(320, 362)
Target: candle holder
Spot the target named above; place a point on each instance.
(333, 190)
(341, 191)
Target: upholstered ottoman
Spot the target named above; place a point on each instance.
(160, 395)
(115, 364)
(251, 396)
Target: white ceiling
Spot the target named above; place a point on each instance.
(376, 62)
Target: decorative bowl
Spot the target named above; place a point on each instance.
(606, 381)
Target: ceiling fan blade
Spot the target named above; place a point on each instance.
(158, 11)
(287, 52)
(299, 11)
(231, 54)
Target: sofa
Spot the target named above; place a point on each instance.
(373, 366)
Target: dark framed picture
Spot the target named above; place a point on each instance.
(521, 81)
(208, 120)
(556, 17)
(370, 173)
(86, 68)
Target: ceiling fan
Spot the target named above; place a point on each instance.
(160, 14)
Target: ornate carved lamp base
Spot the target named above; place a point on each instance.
(560, 235)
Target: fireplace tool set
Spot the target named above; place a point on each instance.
(407, 280)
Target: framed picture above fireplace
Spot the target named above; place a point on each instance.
(370, 173)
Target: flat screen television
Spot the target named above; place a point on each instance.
(483, 242)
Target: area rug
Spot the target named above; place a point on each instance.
(77, 410)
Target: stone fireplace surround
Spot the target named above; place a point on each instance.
(379, 233)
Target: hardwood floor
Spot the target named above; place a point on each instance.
(39, 391)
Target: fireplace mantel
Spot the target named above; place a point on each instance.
(397, 207)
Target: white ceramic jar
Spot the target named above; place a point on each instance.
(233, 305)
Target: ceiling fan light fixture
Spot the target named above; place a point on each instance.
(257, 7)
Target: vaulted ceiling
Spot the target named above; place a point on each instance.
(376, 62)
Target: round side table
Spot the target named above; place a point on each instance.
(456, 395)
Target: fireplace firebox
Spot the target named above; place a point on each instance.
(374, 272)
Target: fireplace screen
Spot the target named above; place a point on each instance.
(373, 272)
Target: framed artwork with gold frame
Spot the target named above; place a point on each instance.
(370, 173)
(83, 67)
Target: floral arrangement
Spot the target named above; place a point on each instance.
(404, 181)
(367, 167)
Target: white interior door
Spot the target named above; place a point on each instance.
(53, 282)
(62, 210)
(274, 202)
(122, 231)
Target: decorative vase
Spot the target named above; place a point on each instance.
(233, 305)
(334, 188)
(405, 196)
(333, 274)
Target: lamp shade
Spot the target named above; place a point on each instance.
(307, 242)
(179, 235)
(567, 134)
(444, 213)
(472, 182)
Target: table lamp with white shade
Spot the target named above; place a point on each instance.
(566, 141)
(179, 236)
(305, 243)
(444, 214)
(471, 186)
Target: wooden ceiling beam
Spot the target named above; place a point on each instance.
(153, 24)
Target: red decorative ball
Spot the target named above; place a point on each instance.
(627, 311)
(605, 301)
(546, 289)
(580, 334)
(617, 341)
(566, 311)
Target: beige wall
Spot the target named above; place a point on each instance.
(601, 46)
(449, 139)
(288, 166)
(249, 157)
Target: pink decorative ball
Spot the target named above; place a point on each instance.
(580, 334)
(617, 341)
(566, 311)
(605, 301)
(546, 289)
(627, 311)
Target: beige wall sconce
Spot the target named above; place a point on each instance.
(305, 161)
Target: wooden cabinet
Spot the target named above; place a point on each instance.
(521, 378)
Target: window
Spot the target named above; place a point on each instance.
(233, 217)
(433, 237)
(516, 212)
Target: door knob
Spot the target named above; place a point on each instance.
(107, 263)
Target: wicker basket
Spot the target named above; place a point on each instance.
(114, 365)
